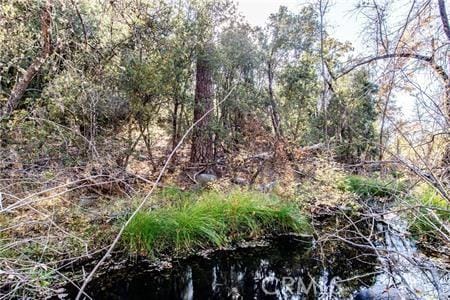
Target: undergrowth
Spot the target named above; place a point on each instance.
(372, 187)
(211, 219)
(432, 214)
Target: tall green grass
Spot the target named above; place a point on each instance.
(422, 221)
(213, 219)
(372, 187)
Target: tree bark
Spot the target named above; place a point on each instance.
(323, 100)
(202, 149)
(275, 116)
(446, 26)
(175, 131)
(22, 84)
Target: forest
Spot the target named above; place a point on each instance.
(173, 149)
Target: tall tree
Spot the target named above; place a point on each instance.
(299, 90)
(202, 150)
(286, 36)
(238, 63)
(209, 15)
(446, 27)
(352, 115)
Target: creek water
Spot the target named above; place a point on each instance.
(286, 268)
(387, 267)
(405, 273)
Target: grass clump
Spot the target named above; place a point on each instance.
(213, 219)
(432, 213)
(372, 187)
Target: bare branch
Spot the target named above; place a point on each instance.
(444, 18)
(428, 59)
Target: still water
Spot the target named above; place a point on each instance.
(284, 269)
(387, 267)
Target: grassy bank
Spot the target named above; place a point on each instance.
(431, 218)
(372, 187)
(428, 213)
(212, 219)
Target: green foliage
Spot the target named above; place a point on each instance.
(290, 32)
(19, 29)
(372, 187)
(33, 138)
(350, 119)
(432, 213)
(299, 91)
(287, 43)
(213, 219)
(237, 63)
(129, 65)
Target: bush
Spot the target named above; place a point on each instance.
(213, 219)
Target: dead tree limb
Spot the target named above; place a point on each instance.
(428, 59)
(23, 82)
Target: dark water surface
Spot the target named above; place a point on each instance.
(388, 266)
(286, 269)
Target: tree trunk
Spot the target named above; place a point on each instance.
(275, 116)
(175, 131)
(22, 84)
(202, 149)
(446, 26)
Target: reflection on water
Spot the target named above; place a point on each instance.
(283, 270)
(290, 269)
